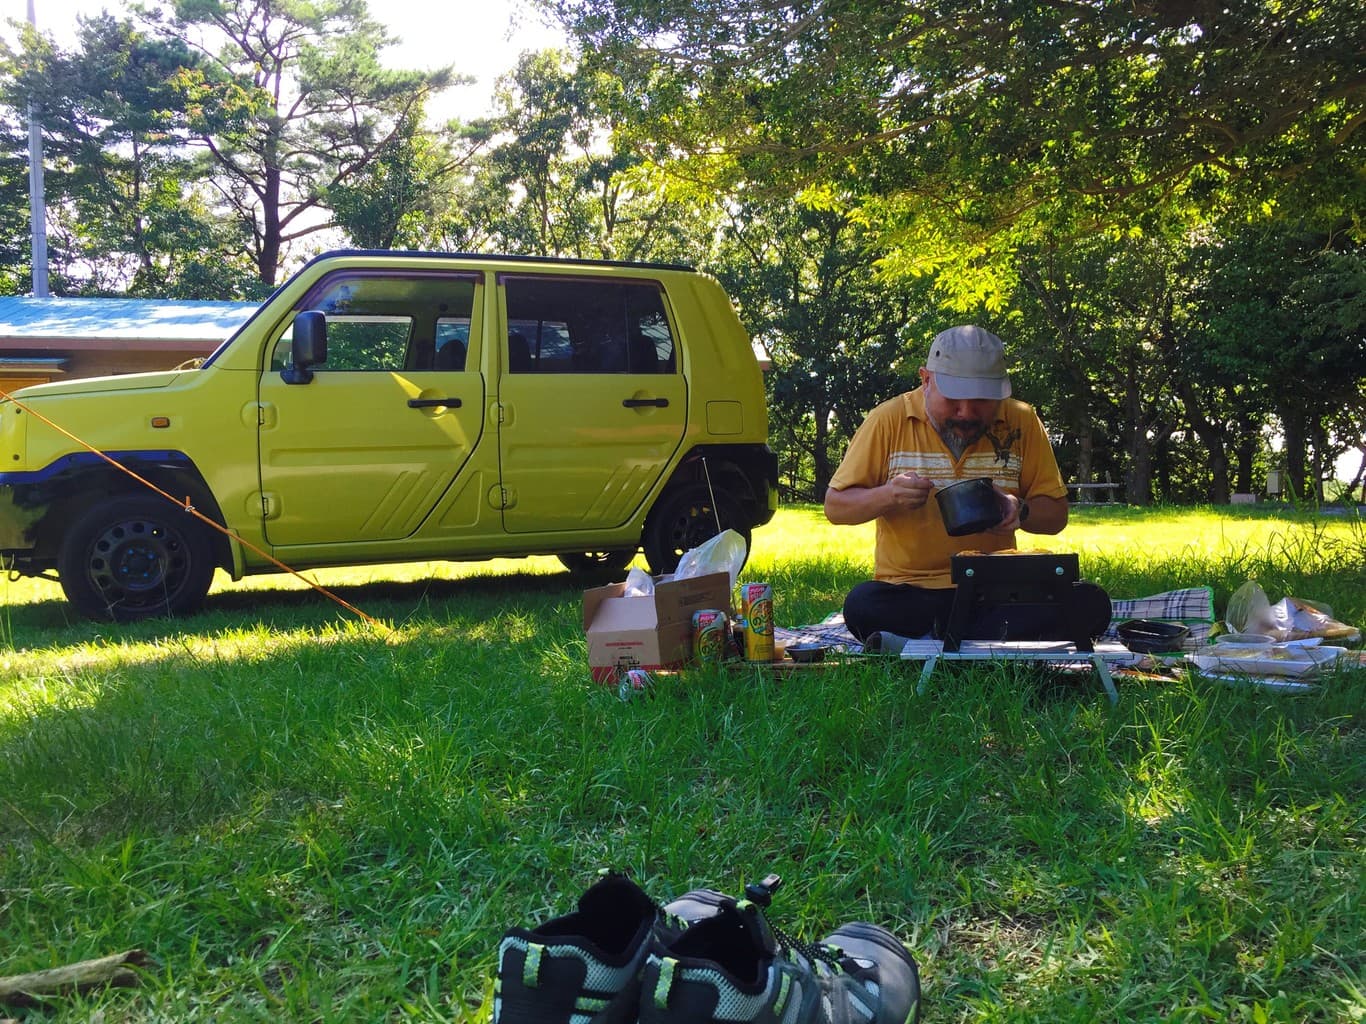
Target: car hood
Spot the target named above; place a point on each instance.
(103, 385)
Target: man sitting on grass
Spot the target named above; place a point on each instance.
(960, 423)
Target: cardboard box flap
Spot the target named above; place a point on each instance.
(592, 599)
(618, 613)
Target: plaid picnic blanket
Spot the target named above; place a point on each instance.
(832, 633)
(1191, 606)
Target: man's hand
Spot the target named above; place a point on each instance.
(855, 505)
(1046, 515)
(909, 491)
(1010, 513)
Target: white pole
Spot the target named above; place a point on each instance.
(36, 203)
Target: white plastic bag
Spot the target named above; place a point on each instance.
(1249, 610)
(723, 553)
(1291, 618)
(639, 583)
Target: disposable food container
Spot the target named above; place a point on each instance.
(1152, 636)
(806, 652)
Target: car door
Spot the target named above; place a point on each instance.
(592, 402)
(364, 451)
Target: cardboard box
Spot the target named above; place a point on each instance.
(647, 632)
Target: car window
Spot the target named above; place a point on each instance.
(452, 343)
(580, 325)
(390, 321)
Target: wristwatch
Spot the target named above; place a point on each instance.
(1023, 514)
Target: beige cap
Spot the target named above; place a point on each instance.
(969, 363)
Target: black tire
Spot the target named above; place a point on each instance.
(135, 558)
(683, 518)
(597, 563)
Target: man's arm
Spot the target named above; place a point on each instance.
(854, 505)
(1046, 515)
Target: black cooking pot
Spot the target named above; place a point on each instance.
(968, 506)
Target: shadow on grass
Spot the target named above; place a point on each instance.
(55, 621)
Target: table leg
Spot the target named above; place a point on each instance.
(1103, 670)
(924, 683)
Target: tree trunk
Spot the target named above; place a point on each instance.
(268, 260)
(1214, 436)
(1293, 426)
(1138, 474)
(820, 456)
(1246, 454)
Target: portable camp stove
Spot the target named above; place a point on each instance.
(1019, 580)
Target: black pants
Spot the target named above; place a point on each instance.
(912, 611)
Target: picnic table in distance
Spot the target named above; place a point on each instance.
(1085, 492)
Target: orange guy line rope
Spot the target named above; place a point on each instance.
(186, 506)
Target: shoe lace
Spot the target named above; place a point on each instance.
(761, 893)
(814, 952)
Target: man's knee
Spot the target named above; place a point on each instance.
(863, 608)
(1091, 604)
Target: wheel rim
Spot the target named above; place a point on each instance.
(693, 525)
(138, 562)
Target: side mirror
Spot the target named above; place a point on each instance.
(307, 348)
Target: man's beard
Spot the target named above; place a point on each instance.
(959, 435)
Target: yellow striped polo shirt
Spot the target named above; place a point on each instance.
(897, 437)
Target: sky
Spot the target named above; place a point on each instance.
(479, 38)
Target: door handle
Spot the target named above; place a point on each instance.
(636, 403)
(429, 403)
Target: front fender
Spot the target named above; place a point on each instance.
(37, 505)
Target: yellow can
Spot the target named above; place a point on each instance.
(757, 601)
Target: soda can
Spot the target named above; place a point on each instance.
(757, 601)
(709, 635)
(635, 682)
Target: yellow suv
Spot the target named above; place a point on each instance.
(398, 407)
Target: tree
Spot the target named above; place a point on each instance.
(969, 130)
(838, 337)
(14, 211)
(128, 209)
(291, 104)
(556, 179)
(1282, 321)
(395, 201)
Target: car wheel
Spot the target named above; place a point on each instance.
(135, 558)
(597, 563)
(686, 517)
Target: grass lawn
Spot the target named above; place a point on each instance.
(305, 819)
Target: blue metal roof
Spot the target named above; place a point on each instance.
(120, 319)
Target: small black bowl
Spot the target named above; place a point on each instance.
(968, 506)
(1152, 636)
(806, 653)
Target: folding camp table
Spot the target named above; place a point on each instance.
(1047, 652)
(1029, 582)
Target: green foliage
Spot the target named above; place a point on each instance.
(840, 339)
(305, 820)
(972, 129)
(129, 211)
(395, 200)
(553, 177)
(291, 105)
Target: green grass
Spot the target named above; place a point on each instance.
(304, 819)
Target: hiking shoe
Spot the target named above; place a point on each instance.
(874, 962)
(731, 967)
(582, 968)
